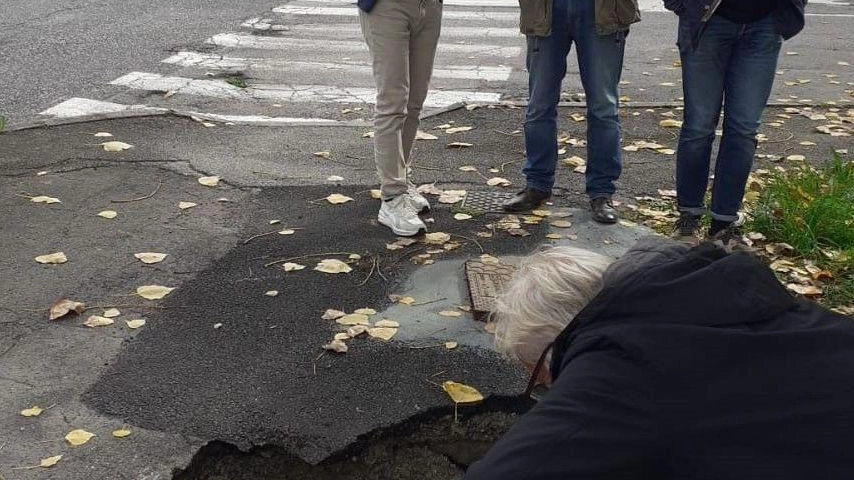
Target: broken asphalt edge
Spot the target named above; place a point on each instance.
(276, 122)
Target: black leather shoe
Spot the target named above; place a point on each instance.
(603, 210)
(526, 200)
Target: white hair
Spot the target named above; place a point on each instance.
(550, 288)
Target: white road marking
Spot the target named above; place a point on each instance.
(452, 3)
(342, 46)
(354, 11)
(218, 62)
(286, 93)
(352, 31)
(78, 107)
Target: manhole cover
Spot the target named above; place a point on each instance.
(485, 201)
(486, 282)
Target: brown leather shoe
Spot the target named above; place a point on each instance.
(603, 210)
(526, 200)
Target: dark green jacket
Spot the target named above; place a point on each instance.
(611, 16)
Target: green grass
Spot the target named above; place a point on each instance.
(812, 209)
(238, 82)
(2, 123)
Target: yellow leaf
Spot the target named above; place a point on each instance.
(292, 267)
(541, 213)
(353, 319)
(357, 330)
(111, 313)
(386, 323)
(498, 181)
(383, 333)
(376, 194)
(332, 314)
(134, 324)
(489, 259)
(121, 433)
(52, 258)
(150, 257)
(323, 154)
(337, 198)
(554, 236)
(462, 216)
(467, 168)
(365, 311)
(436, 238)
(186, 205)
(450, 313)
(50, 461)
(670, 123)
(461, 393)
(78, 437)
(806, 290)
(33, 411)
(108, 214)
(44, 199)
(64, 306)
(287, 231)
(332, 266)
(342, 336)
(561, 224)
(578, 117)
(115, 146)
(209, 181)
(796, 158)
(153, 292)
(450, 345)
(96, 321)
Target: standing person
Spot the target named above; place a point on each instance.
(598, 28)
(729, 51)
(402, 36)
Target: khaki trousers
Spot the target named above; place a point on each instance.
(402, 36)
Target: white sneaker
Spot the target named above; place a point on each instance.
(421, 204)
(400, 216)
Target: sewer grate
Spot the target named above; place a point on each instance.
(486, 281)
(485, 201)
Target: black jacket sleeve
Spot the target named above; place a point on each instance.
(596, 422)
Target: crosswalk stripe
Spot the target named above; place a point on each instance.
(343, 46)
(352, 31)
(286, 93)
(219, 62)
(353, 11)
(447, 3)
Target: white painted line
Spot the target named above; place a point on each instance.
(354, 11)
(346, 47)
(840, 15)
(451, 3)
(262, 119)
(287, 93)
(351, 31)
(78, 107)
(218, 62)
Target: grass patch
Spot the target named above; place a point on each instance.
(238, 82)
(2, 123)
(812, 209)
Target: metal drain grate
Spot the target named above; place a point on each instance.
(485, 284)
(485, 201)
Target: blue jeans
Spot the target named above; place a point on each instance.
(733, 66)
(600, 61)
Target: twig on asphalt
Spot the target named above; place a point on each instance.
(286, 260)
(373, 267)
(509, 134)
(428, 303)
(435, 169)
(153, 193)
(471, 240)
(420, 347)
(253, 237)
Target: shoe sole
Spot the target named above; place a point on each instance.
(402, 233)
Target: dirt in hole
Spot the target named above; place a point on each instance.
(431, 446)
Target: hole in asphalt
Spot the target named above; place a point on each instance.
(430, 446)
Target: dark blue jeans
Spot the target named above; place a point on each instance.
(733, 66)
(600, 61)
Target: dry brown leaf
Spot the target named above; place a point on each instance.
(498, 181)
(337, 198)
(332, 266)
(63, 307)
(115, 146)
(436, 238)
(337, 346)
(670, 123)
(574, 161)
(332, 314)
(292, 267)
(383, 333)
(33, 411)
(462, 394)
(78, 437)
(353, 319)
(806, 290)
(52, 258)
(153, 292)
(97, 321)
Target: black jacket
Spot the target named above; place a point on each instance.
(690, 365)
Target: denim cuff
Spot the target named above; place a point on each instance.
(698, 211)
(725, 218)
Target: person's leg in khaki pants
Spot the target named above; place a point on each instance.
(402, 36)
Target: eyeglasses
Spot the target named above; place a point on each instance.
(537, 389)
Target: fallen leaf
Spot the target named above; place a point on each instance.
(465, 308)
(667, 193)
(334, 178)
(292, 267)
(436, 238)
(806, 143)
(554, 236)
(150, 257)
(63, 307)
(498, 181)
(796, 158)
(337, 198)
(353, 319)
(332, 266)
(368, 135)
(383, 333)
(332, 314)
(462, 216)
(670, 123)
(45, 199)
(111, 313)
(209, 181)
(121, 433)
(115, 146)
(287, 231)
(134, 324)
(458, 129)
(354, 256)
(561, 224)
(386, 323)
(365, 311)
(376, 194)
(541, 213)
(461, 393)
(581, 169)
(450, 313)
(217, 326)
(357, 330)
(578, 117)
(108, 214)
(425, 136)
(153, 292)
(518, 232)
(451, 345)
(401, 299)
(50, 461)
(271, 293)
(489, 259)
(342, 336)
(96, 321)
(459, 145)
(52, 258)
(337, 346)
(103, 134)
(78, 437)
(806, 290)
(323, 154)
(186, 205)
(33, 411)
(467, 168)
